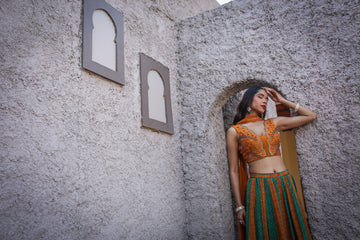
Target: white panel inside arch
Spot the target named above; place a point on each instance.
(156, 97)
(271, 109)
(103, 40)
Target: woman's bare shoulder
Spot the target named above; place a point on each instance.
(233, 131)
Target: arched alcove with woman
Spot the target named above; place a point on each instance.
(273, 153)
(209, 165)
(283, 53)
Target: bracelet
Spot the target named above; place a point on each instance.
(239, 208)
(296, 107)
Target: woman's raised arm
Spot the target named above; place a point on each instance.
(284, 123)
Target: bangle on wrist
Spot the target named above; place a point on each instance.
(296, 107)
(239, 208)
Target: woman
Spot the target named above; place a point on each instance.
(273, 210)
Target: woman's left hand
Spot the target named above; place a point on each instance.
(274, 95)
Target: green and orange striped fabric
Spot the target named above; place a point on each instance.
(273, 208)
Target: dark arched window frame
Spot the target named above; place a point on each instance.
(146, 65)
(89, 7)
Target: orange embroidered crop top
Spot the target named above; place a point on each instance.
(253, 147)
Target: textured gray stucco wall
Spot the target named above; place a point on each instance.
(75, 163)
(310, 51)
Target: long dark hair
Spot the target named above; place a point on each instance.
(246, 101)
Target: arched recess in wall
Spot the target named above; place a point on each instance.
(223, 110)
(103, 40)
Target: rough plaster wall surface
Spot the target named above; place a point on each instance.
(174, 9)
(310, 51)
(75, 163)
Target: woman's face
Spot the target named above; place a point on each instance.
(259, 102)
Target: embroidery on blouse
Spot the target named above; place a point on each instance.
(253, 147)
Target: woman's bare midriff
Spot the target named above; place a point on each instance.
(272, 164)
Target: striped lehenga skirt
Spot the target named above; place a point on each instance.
(274, 210)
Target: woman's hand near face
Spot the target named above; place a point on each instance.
(274, 95)
(284, 123)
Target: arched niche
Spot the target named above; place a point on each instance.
(205, 164)
(155, 95)
(103, 40)
(288, 148)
